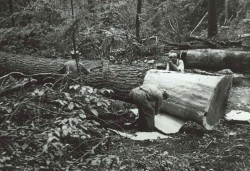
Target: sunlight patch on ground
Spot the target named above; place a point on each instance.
(238, 115)
(141, 135)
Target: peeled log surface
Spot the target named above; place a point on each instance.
(194, 97)
(213, 59)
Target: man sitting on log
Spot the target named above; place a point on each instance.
(148, 99)
(175, 63)
(170, 62)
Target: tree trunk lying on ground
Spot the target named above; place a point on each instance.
(120, 78)
(213, 59)
(193, 97)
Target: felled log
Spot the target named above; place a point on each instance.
(120, 78)
(30, 65)
(213, 59)
(194, 97)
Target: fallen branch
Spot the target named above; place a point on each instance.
(93, 149)
(17, 87)
(209, 42)
(35, 76)
(199, 23)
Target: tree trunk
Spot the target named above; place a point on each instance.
(91, 6)
(119, 78)
(213, 59)
(246, 31)
(226, 12)
(137, 24)
(11, 10)
(194, 97)
(212, 18)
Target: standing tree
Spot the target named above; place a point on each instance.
(212, 18)
(226, 11)
(137, 24)
(11, 10)
(91, 6)
(75, 55)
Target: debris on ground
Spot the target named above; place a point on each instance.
(141, 135)
(166, 124)
(238, 115)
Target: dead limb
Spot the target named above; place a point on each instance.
(17, 87)
(211, 43)
(199, 23)
(35, 76)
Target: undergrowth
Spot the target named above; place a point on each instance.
(53, 126)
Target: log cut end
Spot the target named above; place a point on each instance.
(215, 105)
(193, 97)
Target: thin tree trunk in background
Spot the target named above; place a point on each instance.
(11, 10)
(73, 36)
(91, 6)
(226, 11)
(137, 24)
(76, 57)
(212, 18)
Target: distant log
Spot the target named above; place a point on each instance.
(213, 59)
(194, 97)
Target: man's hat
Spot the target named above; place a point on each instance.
(172, 55)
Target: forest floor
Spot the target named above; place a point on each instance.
(30, 146)
(193, 148)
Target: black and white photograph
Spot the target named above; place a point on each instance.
(125, 85)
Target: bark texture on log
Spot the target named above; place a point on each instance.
(194, 97)
(120, 78)
(212, 59)
(34, 65)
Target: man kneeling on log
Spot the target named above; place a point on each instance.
(148, 99)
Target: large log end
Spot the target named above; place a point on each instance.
(215, 106)
(193, 97)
